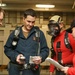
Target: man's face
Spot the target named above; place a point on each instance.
(1, 18)
(29, 22)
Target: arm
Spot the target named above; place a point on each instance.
(44, 50)
(69, 58)
(65, 70)
(51, 73)
(10, 53)
(70, 71)
(52, 67)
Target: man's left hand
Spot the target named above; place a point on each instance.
(37, 59)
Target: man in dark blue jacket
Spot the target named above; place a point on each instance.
(31, 49)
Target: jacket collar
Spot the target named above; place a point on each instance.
(31, 32)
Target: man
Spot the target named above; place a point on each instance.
(61, 51)
(1, 15)
(31, 48)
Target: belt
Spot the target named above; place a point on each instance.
(26, 66)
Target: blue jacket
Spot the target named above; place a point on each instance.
(26, 46)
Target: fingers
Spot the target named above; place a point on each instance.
(37, 59)
(18, 59)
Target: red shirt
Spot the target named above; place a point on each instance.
(71, 70)
(67, 55)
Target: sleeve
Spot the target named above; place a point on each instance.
(71, 71)
(9, 52)
(44, 50)
(52, 67)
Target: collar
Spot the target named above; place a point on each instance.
(31, 32)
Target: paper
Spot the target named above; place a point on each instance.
(31, 60)
(55, 63)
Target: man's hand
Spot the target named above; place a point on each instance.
(37, 59)
(19, 60)
(65, 69)
(51, 73)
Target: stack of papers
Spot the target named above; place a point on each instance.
(55, 63)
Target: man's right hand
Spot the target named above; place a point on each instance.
(18, 59)
(65, 69)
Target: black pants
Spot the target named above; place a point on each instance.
(59, 73)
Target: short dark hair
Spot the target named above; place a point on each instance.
(30, 12)
(73, 23)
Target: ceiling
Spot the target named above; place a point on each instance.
(20, 5)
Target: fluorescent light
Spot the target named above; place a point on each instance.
(45, 6)
(2, 4)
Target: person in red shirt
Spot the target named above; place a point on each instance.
(61, 54)
(71, 70)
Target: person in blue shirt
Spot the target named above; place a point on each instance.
(30, 49)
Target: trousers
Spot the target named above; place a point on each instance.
(15, 70)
